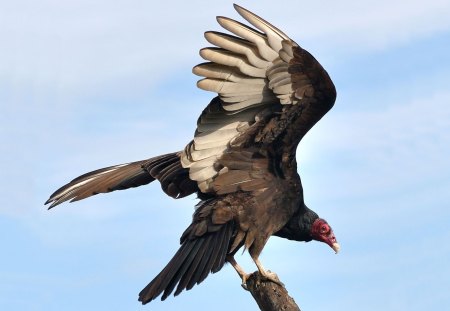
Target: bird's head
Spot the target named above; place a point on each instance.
(321, 231)
(305, 226)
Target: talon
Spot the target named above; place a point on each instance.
(271, 276)
(244, 276)
(267, 274)
(244, 286)
(244, 281)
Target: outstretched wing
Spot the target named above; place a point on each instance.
(165, 168)
(267, 86)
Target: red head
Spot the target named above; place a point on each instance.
(321, 231)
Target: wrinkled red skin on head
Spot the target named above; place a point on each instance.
(321, 231)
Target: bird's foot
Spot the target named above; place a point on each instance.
(267, 275)
(245, 277)
(270, 276)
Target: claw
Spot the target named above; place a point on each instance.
(270, 276)
(244, 281)
(267, 274)
(244, 276)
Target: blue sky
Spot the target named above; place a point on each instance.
(86, 84)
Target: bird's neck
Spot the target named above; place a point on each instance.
(298, 227)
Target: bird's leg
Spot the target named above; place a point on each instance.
(244, 276)
(266, 274)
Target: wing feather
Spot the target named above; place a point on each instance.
(238, 46)
(274, 35)
(259, 74)
(228, 58)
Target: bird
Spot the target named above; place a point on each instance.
(241, 162)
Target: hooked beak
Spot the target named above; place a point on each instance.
(332, 242)
(336, 247)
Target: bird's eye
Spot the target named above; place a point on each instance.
(324, 229)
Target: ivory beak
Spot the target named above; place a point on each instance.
(336, 247)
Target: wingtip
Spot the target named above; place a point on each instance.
(237, 7)
(242, 11)
(52, 205)
(53, 202)
(219, 18)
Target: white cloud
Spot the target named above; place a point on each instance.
(69, 44)
(372, 24)
(400, 147)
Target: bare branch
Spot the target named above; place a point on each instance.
(270, 296)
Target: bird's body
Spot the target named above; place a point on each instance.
(242, 160)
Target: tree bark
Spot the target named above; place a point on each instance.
(270, 296)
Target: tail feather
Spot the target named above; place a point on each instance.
(202, 269)
(182, 272)
(195, 259)
(220, 256)
(199, 264)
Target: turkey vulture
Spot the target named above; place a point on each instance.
(242, 160)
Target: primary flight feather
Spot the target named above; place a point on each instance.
(241, 162)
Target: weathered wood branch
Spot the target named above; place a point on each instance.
(270, 296)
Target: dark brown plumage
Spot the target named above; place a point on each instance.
(241, 162)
